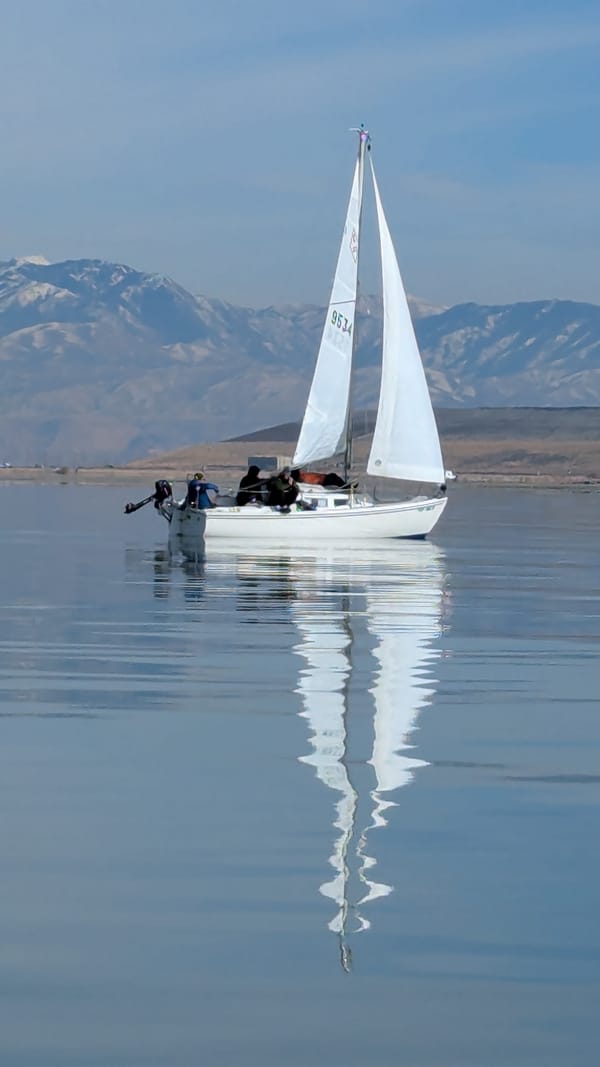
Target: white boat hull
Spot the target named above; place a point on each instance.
(354, 523)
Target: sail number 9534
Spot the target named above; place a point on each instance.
(344, 324)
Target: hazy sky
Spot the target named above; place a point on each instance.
(209, 140)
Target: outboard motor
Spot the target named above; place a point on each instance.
(163, 491)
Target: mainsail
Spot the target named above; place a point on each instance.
(405, 444)
(323, 431)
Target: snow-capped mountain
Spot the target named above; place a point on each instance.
(103, 363)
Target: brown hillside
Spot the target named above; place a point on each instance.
(506, 444)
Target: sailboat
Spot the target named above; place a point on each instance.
(405, 444)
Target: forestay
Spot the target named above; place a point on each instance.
(405, 444)
(324, 426)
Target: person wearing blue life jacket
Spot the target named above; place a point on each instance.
(197, 492)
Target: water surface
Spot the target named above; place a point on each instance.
(300, 808)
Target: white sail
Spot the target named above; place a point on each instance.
(405, 444)
(324, 426)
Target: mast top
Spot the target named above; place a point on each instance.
(364, 137)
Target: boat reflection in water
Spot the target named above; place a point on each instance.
(368, 622)
(386, 607)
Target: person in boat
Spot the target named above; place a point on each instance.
(250, 488)
(282, 489)
(198, 491)
(314, 478)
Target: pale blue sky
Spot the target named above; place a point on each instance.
(208, 140)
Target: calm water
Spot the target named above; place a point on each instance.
(296, 810)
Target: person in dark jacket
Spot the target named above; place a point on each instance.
(250, 488)
(282, 489)
(197, 492)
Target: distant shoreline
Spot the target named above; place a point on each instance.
(146, 475)
(529, 447)
(553, 448)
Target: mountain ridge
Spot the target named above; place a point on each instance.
(104, 363)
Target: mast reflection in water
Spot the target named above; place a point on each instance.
(388, 606)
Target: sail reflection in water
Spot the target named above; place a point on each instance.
(389, 605)
(368, 625)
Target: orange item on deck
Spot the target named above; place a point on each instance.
(311, 478)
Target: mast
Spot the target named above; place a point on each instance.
(364, 144)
